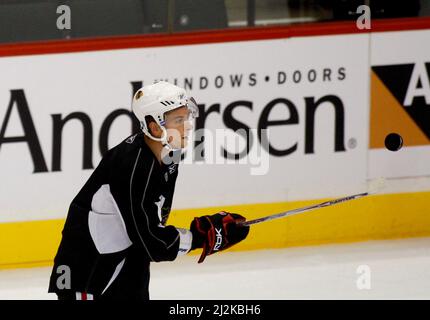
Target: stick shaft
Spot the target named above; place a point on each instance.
(304, 209)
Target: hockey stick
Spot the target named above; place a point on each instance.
(377, 185)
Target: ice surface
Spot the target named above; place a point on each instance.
(400, 269)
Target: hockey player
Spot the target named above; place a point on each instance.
(116, 224)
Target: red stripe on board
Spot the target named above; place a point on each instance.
(203, 37)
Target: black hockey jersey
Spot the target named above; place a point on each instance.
(116, 225)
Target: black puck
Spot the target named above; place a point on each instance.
(393, 142)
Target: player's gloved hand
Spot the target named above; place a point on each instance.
(217, 232)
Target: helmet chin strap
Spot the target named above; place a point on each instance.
(162, 139)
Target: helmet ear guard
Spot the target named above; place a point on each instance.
(145, 129)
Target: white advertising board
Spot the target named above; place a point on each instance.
(310, 94)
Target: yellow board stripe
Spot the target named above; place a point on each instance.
(34, 243)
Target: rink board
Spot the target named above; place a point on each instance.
(28, 244)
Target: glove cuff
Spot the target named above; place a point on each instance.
(199, 234)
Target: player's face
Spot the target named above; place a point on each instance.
(178, 125)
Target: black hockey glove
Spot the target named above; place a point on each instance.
(217, 232)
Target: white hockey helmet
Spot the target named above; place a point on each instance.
(157, 99)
